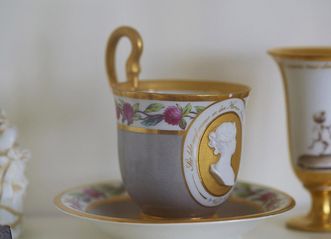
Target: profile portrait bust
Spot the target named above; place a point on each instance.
(223, 142)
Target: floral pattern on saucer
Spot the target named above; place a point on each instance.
(267, 198)
(79, 199)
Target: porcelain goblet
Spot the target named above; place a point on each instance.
(306, 75)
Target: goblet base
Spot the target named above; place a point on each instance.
(307, 223)
(319, 217)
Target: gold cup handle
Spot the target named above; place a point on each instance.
(132, 64)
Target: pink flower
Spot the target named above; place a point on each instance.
(267, 196)
(75, 203)
(93, 193)
(128, 113)
(172, 115)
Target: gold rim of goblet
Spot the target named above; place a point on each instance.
(318, 53)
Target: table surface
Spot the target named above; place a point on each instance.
(66, 227)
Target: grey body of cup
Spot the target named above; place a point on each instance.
(151, 168)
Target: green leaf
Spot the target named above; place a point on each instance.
(155, 107)
(199, 109)
(152, 120)
(187, 109)
(117, 102)
(121, 102)
(137, 116)
(179, 107)
(135, 107)
(182, 124)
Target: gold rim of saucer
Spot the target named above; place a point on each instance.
(150, 220)
(205, 90)
(303, 53)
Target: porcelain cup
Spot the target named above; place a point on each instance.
(179, 141)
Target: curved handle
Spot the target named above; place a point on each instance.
(132, 64)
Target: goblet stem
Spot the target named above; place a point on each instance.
(319, 216)
(320, 211)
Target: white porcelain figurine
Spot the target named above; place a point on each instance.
(223, 141)
(13, 182)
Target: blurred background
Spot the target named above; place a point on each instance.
(54, 87)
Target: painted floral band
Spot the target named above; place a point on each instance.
(157, 114)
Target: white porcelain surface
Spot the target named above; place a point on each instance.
(309, 85)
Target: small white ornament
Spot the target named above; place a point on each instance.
(13, 182)
(7, 139)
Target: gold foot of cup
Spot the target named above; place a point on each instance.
(319, 217)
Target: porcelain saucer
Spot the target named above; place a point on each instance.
(108, 205)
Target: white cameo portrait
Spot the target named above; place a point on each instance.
(223, 142)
